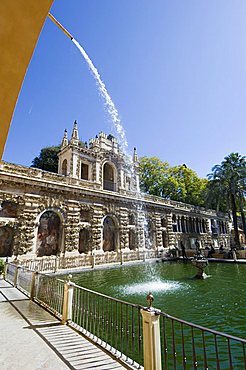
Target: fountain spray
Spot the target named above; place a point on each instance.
(110, 108)
(108, 102)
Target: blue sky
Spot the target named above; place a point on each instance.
(176, 71)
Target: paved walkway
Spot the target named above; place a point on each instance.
(32, 339)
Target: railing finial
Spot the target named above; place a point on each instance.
(150, 299)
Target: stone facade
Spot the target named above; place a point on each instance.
(93, 206)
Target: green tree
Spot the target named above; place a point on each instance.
(228, 183)
(153, 175)
(47, 159)
(191, 188)
(177, 183)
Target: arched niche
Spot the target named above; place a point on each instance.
(149, 234)
(110, 234)
(174, 223)
(109, 181)
(84, 237)
(8, 209)
(49, 234)
(64, 167)
(164, 221)
(131, 219)
(132, 239)
(6, 241)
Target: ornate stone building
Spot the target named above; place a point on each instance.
(93, 205)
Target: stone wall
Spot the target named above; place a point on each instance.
(79, 206)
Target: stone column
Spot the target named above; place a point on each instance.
(140, 230)
(170, 232)
(96, 227)
(72, 229)
(159, 244)
(123, 231)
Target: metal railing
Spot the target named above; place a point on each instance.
(117, 326)
(112, 323)
(189, 346)
(49, 292)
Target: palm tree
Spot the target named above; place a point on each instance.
(228, 182)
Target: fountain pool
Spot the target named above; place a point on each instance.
(217, 302)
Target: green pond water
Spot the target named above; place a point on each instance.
(217, 302)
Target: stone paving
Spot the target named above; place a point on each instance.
(33, 339)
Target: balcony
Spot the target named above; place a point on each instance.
(109, 185)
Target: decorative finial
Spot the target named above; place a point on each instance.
(65, 139)
(135, 157)
(150, 299)
(75, 134)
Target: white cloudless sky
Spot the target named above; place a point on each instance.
(176, 71)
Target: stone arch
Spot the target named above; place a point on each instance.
(174, 222)
(182, 224)
(6, 241)
(197, 225)
(64, 167)
(203, 226)
(164, 239)
(110, 234)
(132, 239)
(132, 219)
(149, 235)
(109, 176)
(49, 234)
(84, 238)
(164, 221)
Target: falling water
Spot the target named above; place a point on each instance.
(108, 103)
(114, 115)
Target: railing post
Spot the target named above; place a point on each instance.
(33, 285)
(151, 337)
(67, 301)
(121, 257)
(15, 282)
(93, 260)
(6, 270)
(144, 256)
(56, 263)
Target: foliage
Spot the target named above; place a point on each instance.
(227, 187)
(177, 183)
(153, 176)
(47, 159)
(191, 188)
(1, 266)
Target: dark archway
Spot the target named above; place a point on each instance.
(49, 234)
(64, 167)
(109, 235)
(6, 241)
(132, 239)
(108, 177)
(84, 237)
